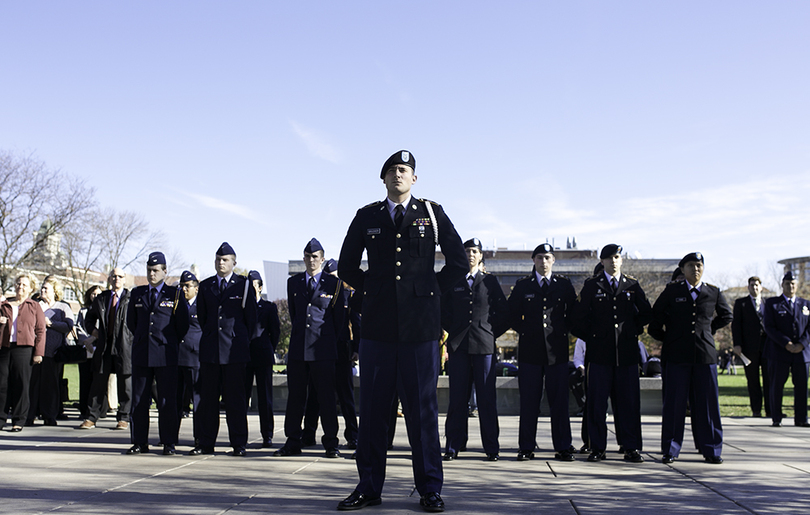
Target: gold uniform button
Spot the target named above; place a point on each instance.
(615, 316)
(399, 264)
(545, 316)
(545, 325)
(399, 249)
(398, 278)
(616, 325)
(399, 236)
(693, 332)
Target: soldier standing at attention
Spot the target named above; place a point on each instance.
(399, 342)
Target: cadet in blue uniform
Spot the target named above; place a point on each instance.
(158, 319)
(316, 313)
(226, 309)
(262, 358)
(685, 318)
(188, 356)
(540, 307)
(610, 313)
(474, 314)
(788, 349)
(399, 346)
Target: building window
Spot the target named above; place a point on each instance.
(69, 295)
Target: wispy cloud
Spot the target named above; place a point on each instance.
(316, 143)
(228, 207)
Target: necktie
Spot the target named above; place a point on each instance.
(111, 315)
(694, 292)
(399, 214)
(222, 284)
(311, 286)
(614, 284)
(153, 297)
(470, 279)
(544, 284)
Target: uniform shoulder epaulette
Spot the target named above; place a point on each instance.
(561, 276)
(631, 277)
(372, 204)
(711, 285)
(428, 200)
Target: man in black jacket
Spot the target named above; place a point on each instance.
(685, 318)
(474, 314)
(749, 337)
(540, 307)
(399, 346)
(611, 312)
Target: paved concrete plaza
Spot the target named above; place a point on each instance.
(64, 470)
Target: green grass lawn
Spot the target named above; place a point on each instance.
(733, 392)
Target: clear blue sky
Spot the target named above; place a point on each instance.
(667, 127)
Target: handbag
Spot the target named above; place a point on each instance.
(70, 354)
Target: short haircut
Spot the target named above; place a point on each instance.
(754, 278)
(31, 280)
(57, 286)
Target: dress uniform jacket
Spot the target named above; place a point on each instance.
(226, 327)
(542, 319)
(316, 318)
(686, 327)
(266, 335)
(157, 329)
(121, 334)
(747, 327)
(474, 317)
(401, 290)
(188, 354)
(784, 324)
(611, 322)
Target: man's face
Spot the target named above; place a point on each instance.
(543, 263)
(190, 290)
(692, 271)
(399, 179)
(117, 278)
(257, 287)
(613, 264)
(313, 261)
(789, 288)
(224, 264)
(155, 274)
(754, 288)
(474, 257)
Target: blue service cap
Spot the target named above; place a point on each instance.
(253, 275)
(543, 248)
(187, 277)
(403, 157)
(225, 249)
(330, 266)
(313, 245)
(156, 258)
(692, 256)
(610, 250)
(474, 242)
(789, 276)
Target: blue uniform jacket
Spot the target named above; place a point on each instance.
(316, 319)
(189, 354)
(609, 322)
(401, 289)
(783, 325)
(266, 334)
(685, 326)
(543, 321)
(157, 330)
(226, 326)
(476, 315)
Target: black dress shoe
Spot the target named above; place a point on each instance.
(286, 451)
(776, 424)
(493, 457)
(432, 502)
(351, 445)
(584, 450)
(633, 456)
(49, 422)
(201, 450)
(450, 456)
(668, 458)
(596, 456)
(267, 444)
(16, 429)
(308, 442)
(353, 456)
(168, 450)
(138, 449)
(798, 424)
(757, 414)
(566, 455)
(333, 453)
(390, 447)
(621, 449)
(715, 460)
(463, 448)
(239, 452)
(357, 501)
(525, 455)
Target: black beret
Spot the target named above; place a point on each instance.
(403, 157)
(692, 256)
(675, 274)
(330, 266)
(225, 249)
(789, 276)
(253, 275)
(313, 245)
(187, 276)
(598, 269)
(475, 242)
(542, 249)
(156, 258)
(610, 250)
